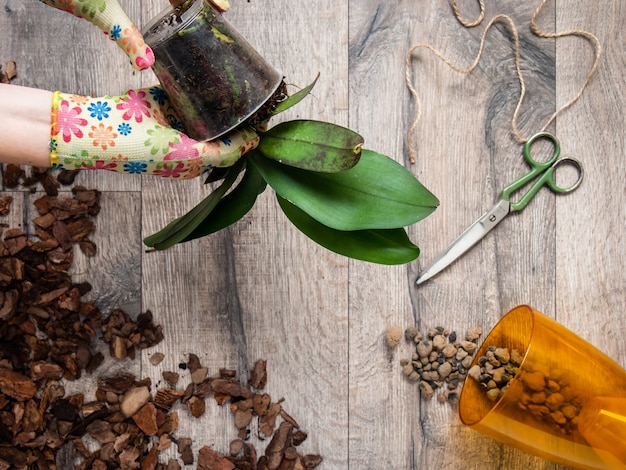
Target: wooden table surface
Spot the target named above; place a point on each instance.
(262, 290)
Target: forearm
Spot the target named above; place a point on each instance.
(25, 125)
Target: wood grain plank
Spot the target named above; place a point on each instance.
(261, 289)
(117, 267)
(383, 405)
(590, 251)
(466, 155)
(15, 217)
(302, 288)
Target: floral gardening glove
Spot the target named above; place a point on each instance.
(135, 133)
(109, 16)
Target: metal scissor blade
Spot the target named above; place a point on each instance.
(472, 235)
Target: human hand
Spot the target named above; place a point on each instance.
(133, 133)
(109, 16)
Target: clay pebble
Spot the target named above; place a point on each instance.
(545, 395)
(393, 336)
(440, 361)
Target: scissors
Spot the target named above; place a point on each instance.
(542, 171)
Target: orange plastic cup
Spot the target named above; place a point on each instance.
(576, 418)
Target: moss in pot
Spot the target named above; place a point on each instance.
(214, 78)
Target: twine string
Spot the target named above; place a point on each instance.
(515, 34)
(461, 19)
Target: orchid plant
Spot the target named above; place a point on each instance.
(352, 201)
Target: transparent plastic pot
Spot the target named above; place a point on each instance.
(593, 436)
(213, 77)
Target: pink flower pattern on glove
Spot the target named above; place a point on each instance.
(66, 121)
(135, 105)
(183, 150)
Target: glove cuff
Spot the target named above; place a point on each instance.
(54, 125)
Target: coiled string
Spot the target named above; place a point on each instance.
(511, 25)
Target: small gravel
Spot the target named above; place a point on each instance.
(440, 361)
(546, 395)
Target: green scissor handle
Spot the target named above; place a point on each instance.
(544, 171)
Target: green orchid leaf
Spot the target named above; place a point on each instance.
(233, 206)
(312, 145)
(216, 174)
(294, 99)
(377, 193)
(179, 229)
(382, 246)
